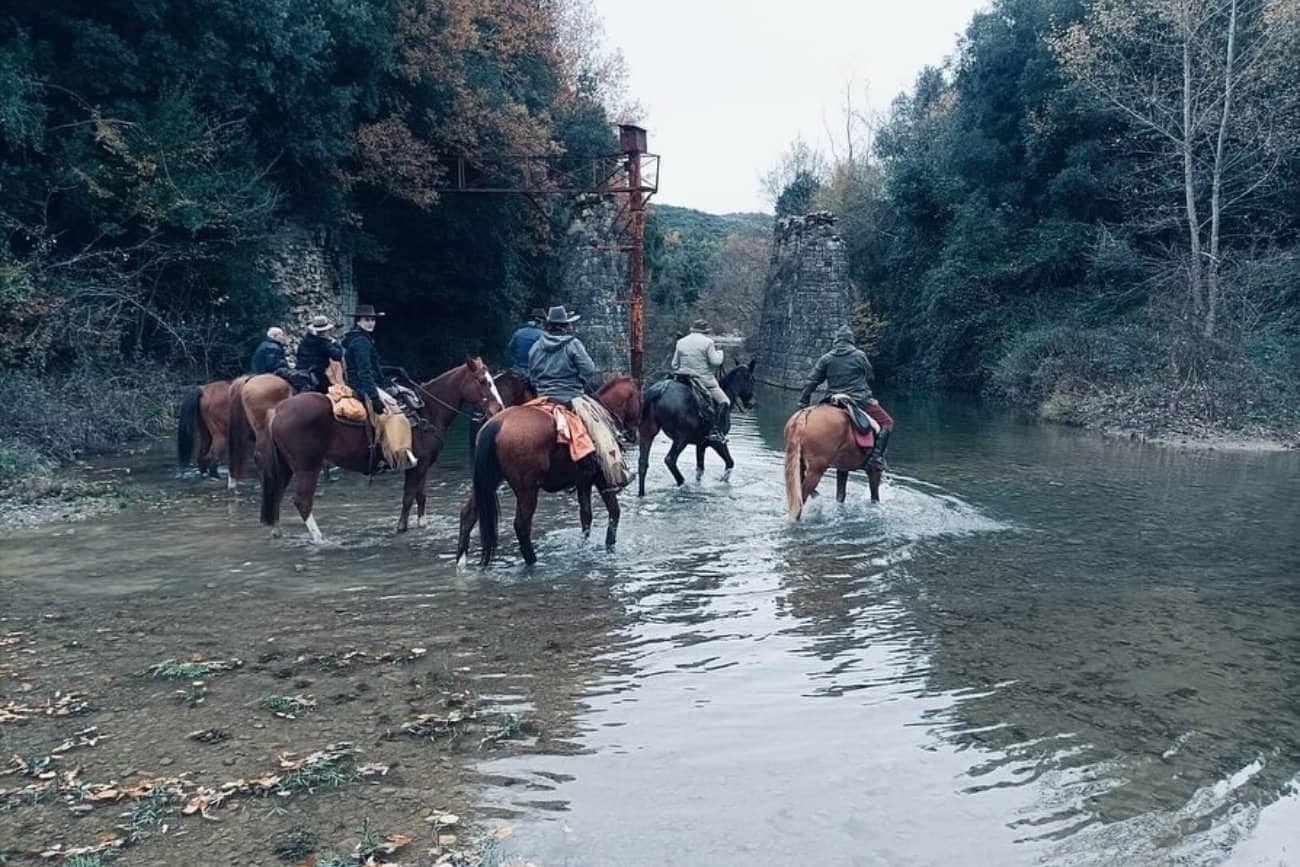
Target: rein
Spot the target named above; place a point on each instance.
(420, 388)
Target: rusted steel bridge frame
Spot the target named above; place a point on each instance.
(633, 174)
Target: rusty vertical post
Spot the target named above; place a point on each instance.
(632, 141)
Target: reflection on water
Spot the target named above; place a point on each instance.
(1042, 647)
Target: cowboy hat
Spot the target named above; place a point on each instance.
(538, 313)
(319, 324)
(366, 311)
(559, 316)
(701, 325)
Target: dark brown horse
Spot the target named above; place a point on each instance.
(818, 439)
(203, 417)
(519, 447)
(304, 434)
(251, 400)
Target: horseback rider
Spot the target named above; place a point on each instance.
(269, 355)
(560, 368)
(845, 370)
(521, 342)
(361, 367)
(697, 357)
(365, 376)
(315, 353)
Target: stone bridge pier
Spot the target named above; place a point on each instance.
(806, 298)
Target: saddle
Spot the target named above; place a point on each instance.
(864, 426)
(569, 429)
(703, 400)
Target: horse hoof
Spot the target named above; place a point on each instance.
(461, 562)
(275, 532)
(421, 522)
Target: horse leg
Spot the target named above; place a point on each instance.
(525, 506)
(216, 450)
(812, 478)
(841, 485)
(413, 492)
(646, 438)
(303, 497)
(584, 507)
(670, 461)
(611, 504)
(699, 461)
(468, 518)
(724, 452)
(873, 481)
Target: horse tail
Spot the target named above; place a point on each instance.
(239, 431)
(794, 466)
(187, 422)
(276, 473)
(487, 477)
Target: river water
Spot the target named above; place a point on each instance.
(1041, 647)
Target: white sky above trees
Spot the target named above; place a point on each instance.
(728, 84)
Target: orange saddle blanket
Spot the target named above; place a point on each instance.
(569, 429)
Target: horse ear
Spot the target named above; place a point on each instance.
(751, 364)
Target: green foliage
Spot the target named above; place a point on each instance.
(797, 197)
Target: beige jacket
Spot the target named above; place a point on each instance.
(696, 355)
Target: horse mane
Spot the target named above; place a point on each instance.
(447, 374)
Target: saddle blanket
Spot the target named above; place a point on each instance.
(569, 429)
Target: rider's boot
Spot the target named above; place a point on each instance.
(876, 460)
(721, 424)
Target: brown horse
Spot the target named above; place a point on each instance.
(251, 400)
(304, 434)
(816, 440)
(519, 447)
(203, 416)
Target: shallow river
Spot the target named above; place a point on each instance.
(1042, 647)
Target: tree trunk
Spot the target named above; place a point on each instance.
(1216, 191)
(1189, 167)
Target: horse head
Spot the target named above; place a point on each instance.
(479, 388)
(512, 387)
(623, 400)
(739, 386)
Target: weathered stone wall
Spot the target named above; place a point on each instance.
(807, 297)
(594, 282)
(313, 277)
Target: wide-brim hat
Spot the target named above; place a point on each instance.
(559, 316)
(319, 324)
(538, 313)
(366, 311)
(701, 325)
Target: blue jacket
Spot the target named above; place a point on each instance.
(521, 342)
(560, 368)
(267, 358)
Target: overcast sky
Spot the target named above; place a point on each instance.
(727, 84)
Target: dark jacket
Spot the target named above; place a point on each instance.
(521, 343)
(844, 369)
(361, 366)
(315, 353)
(560, 368)
(267, 358)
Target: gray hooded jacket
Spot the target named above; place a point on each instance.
(844, 369)
(560, 368)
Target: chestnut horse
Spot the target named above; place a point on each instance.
(203, 416)
(251, 400)
(303, 434)
(519, 446)
(818, 439)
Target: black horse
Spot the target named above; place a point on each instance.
(671, 406)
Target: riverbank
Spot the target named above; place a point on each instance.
(1174, 420)
(176, 689)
